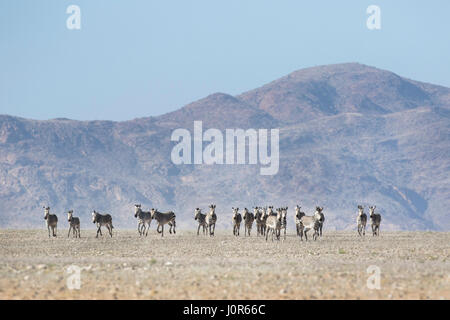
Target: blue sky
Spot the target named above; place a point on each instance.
(142, 58)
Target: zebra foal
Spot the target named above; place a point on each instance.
(74, 224)
(102, 220)
(163, 218)
(51, 220)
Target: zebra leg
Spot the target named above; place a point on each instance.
(174, 225)
(162, 230)
(98, 230)
(54, 231)
(110, 229)
(68, 234)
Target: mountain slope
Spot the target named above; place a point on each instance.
(349, 134)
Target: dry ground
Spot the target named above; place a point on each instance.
(413, 265)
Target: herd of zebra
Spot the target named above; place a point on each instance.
(268, 222)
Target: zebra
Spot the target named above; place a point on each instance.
(237, 219)
(162, 218)
(263, 219)
(375, 218)
(361, 221)
(298, 215)
(74, 224)
(273, 224)
(201, 219)
(248, 221)
(283, 220)
(144, 217)
(310, 222)
(211, 219)
(102, 220)
(258, 219)
(321, 220)
(52, 221)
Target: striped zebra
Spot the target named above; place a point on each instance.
(211, 219)
(375, 218)
(258, 213)
(284, 221)
(248, 221)
(361, 221)
(321, 219)
(263, 219)
(273, 224)
(144, 218)
(237, 219)
(298, 215)
(51, 220)
(201, 219)
(74, 224)
(310, 223)
(163, 218)
(102, 220)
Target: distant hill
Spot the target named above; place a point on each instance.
(349, 134)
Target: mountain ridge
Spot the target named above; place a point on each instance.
(378, 137)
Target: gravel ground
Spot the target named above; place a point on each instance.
(412, 265)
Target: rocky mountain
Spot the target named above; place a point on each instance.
(349, 134)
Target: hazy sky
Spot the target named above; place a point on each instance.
(141, 58)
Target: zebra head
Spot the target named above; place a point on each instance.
(372, 210)
(279, 214)
(212, 208)
(263, 212)
(46, 212)
(284, 213)
(297, 211)
(360, 210)
(137, 208)
(198, 211)
(256, 212)
(245, 215)
(318, 214)
(152, 212)
(94, 216)
(69, 215)
(235, 212)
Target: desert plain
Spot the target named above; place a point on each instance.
(340, 265)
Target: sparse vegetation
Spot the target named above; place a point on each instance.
(32, 266)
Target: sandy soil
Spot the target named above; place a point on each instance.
(413, 265)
